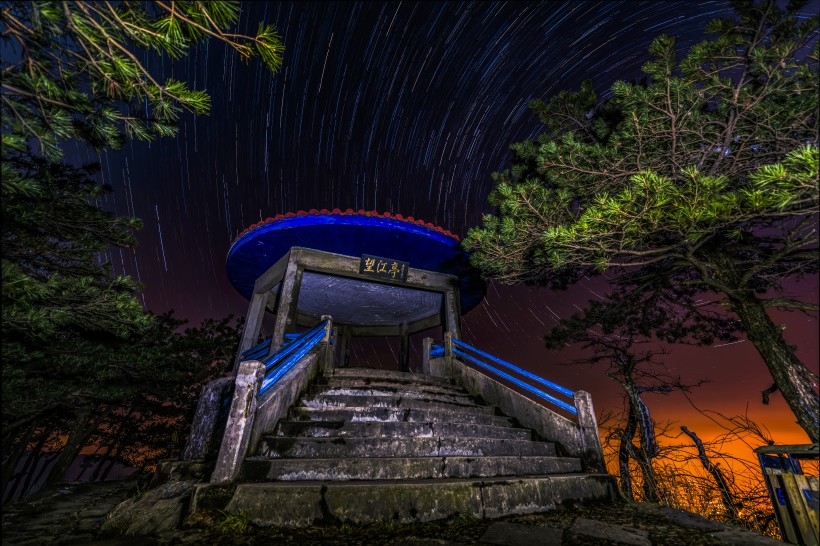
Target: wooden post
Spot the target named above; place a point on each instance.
(404, 348)
(426, 345)
(593, 456)
(288, 300)
(253, 325)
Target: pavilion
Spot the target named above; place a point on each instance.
(375, 274)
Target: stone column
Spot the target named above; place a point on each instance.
(404, 348)
(253, 325)
(327, 363)
(288, 300)
(448, 355)
(344, 346)
(452, 322)
(426, 345)
(593, 456)
(240, 421)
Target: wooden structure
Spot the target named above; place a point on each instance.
(794, 494)
(376, 275)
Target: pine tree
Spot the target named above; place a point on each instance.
(76, 344)
(76, 71)
(702, 178)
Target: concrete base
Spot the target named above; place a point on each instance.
(301, 504)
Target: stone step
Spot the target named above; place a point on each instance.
(354, 382)
(384, 392)
(300, 447)
(435, 414)
(377, 374)
(258, 469)
(343, 401)
(308, 503)
(376, 429)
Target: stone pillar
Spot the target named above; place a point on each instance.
(593, 456)
(448, 355)
(253, 325)
(344, 347)
(404, 347)
(326, 364)
(208, 427)
(426, 345)
(288, 300)
(452, 322)
(240, 422)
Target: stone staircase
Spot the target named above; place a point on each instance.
(367, 445)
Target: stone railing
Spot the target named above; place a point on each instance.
(576, 437)
(265, 389)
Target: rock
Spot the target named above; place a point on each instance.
(518, 534)
(616, 533)
(683, 518)
(157, 511)
(740, 537)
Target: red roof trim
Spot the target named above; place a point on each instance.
(348, 212)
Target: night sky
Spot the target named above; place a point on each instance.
(405, 107)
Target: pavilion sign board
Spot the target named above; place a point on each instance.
(384, 268)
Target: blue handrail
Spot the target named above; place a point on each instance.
(289, 355)
(263, 346)
(438, 351)
(554, 386)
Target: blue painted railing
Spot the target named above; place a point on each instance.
(263, 348)
(460, 348)
(295, 347)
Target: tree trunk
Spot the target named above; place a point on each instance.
(76, 439)
(722, 485)
(30, 466)
(624, 456)
(791, 376)
(640, 413)
(18, 449)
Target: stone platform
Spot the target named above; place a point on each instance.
(72, 513)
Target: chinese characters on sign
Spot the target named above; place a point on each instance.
(383, 267)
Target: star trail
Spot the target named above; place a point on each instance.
(405, 107)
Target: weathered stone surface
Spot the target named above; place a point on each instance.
(683, 518)
(375, 429)
(378, 383)
(517, 534)
(401, 501)
(298, 504)
(159, 510)
(330, 401)
(404, 468)
(302, 448)
(550, 425)
(615, 533)
(209, 420)
(373, 373)
(238, 428)
(366, 413)
(741, 537)
(69, 516)
(274, 404)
